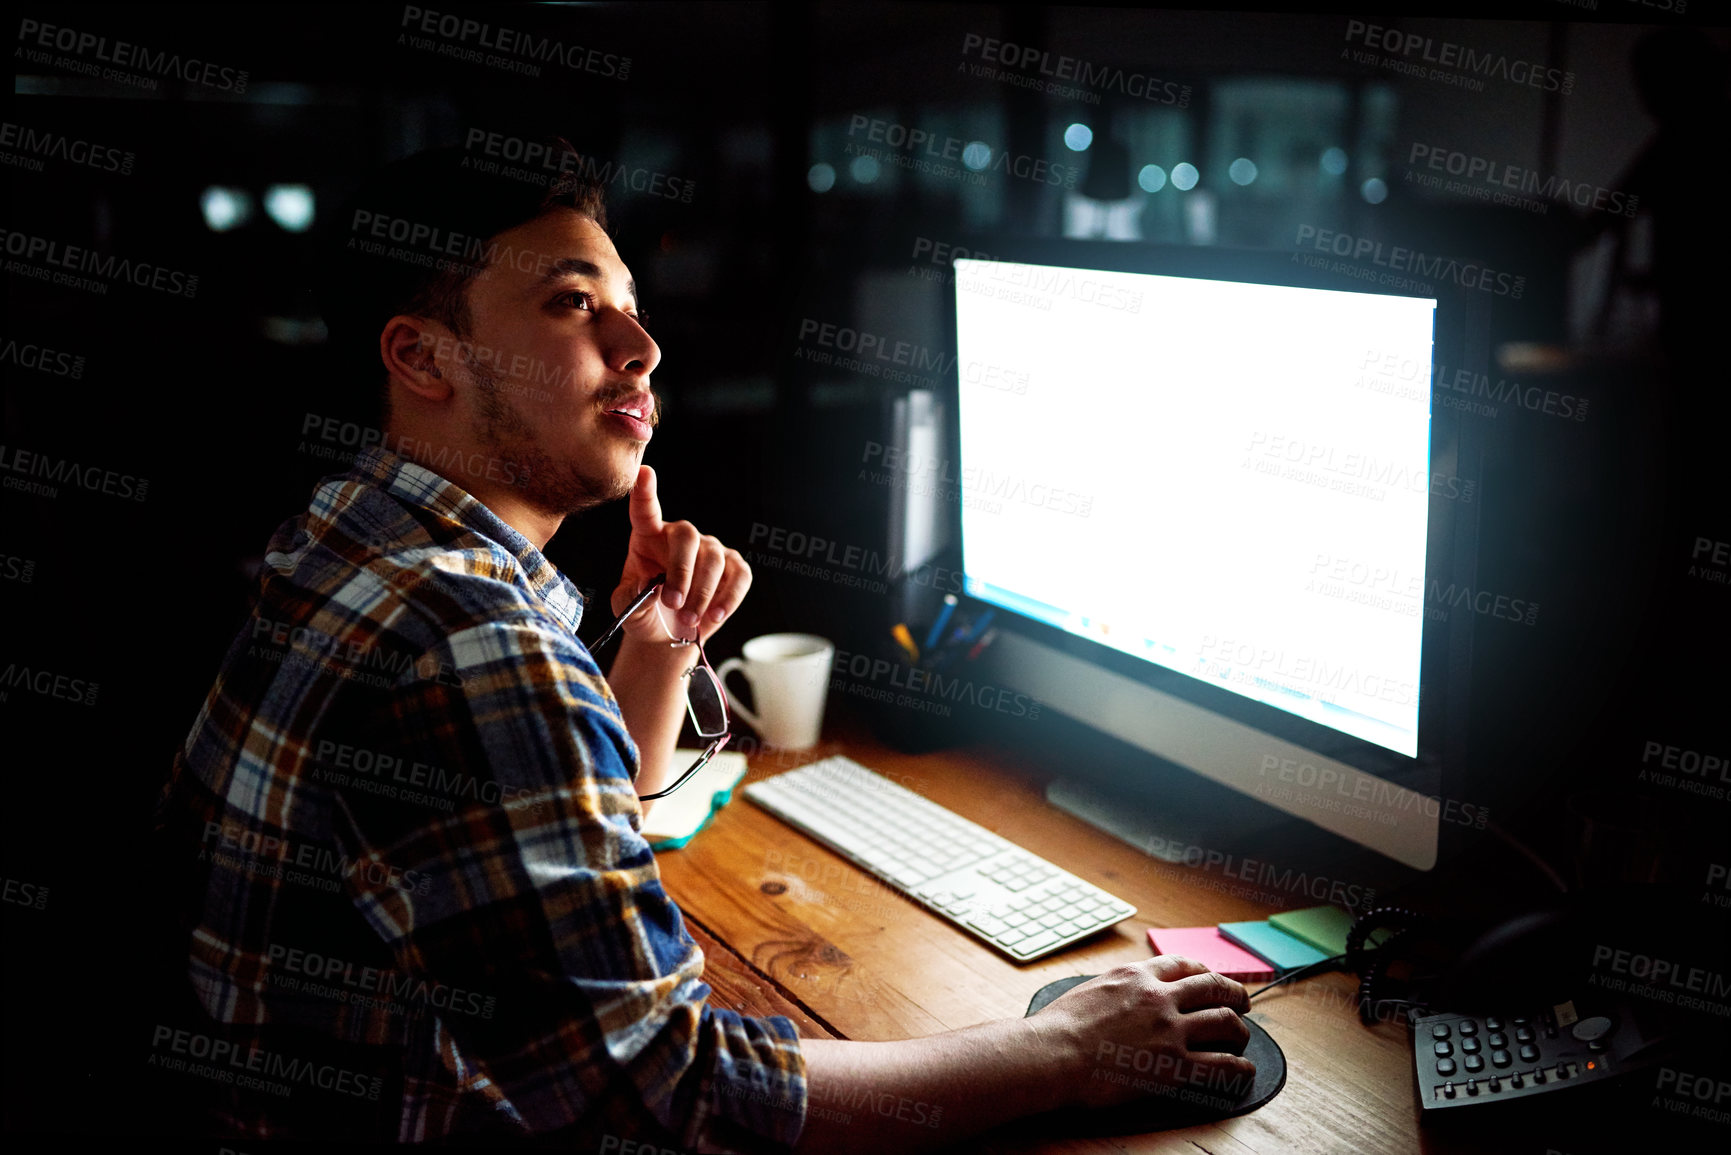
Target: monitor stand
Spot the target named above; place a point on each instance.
(1181, 832)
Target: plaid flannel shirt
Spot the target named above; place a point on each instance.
(407, 874)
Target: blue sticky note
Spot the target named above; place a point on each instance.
(1271, 944)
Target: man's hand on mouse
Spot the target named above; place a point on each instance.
(1166, 1022)
(705, 583)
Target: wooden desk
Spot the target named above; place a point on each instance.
(791, 928)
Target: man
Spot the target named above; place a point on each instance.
(413, 797)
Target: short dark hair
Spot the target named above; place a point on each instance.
(420, 229)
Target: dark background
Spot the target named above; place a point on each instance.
(1599, 521)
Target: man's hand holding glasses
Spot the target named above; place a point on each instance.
(677, 588)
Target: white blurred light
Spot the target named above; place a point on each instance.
(1373, 191)
(1334, 161)
(1078, 137)
(225, 208)
(863, 168)
(977, 155)
(1185, 176)
(1242, 171)
(290, 205)
(1152, 178)
(820, 177)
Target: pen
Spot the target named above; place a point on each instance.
(980, 645)
(978, 628)
(906, 641)
(937, 630)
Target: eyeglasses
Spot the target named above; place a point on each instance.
(704, 700)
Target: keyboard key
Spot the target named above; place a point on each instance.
(1015, 918)
(1012, 936)
(1038, 942)
(1050, 920)
(988, 926)
(1065, 929)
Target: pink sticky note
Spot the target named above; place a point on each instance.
(1204, 944)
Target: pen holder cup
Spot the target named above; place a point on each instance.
(903, 702)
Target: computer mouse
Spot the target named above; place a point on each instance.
(1173, 1106)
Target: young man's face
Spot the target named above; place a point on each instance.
(562, 362)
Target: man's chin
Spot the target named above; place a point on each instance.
(569, 490)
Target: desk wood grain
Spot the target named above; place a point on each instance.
(860, 961)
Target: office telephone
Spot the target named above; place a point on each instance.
(1532, 1010)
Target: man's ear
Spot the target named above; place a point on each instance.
(410, 348)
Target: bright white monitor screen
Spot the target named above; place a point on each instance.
(1230, 480)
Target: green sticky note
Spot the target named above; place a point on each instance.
(1323, 927)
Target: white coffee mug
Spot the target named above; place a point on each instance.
(789, 677)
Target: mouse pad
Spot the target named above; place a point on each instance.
(1175, 1106)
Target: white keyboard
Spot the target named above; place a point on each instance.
(996, 891)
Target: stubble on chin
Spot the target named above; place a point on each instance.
(555, 487)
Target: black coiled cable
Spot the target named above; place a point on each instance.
(1370, 963)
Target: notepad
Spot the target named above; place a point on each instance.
(1271, 944)
(1206, 946)
(673, 820)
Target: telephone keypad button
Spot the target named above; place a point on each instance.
(1445, 1067)
(1470, 1046)
(1500, 1059)
(1443, 1050)
(1475, 1063)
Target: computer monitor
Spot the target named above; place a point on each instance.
(1206, 494)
